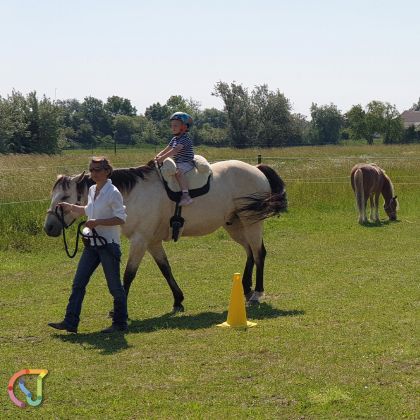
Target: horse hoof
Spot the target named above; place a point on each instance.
(249, 295)
(177, 308)
(255, 298)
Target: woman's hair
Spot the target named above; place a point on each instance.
(105, 163)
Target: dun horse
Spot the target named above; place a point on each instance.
(241, 196)
(370, 181)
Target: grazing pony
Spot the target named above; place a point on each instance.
(241, 196)
(369, 181)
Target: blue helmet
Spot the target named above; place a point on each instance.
(184, 117)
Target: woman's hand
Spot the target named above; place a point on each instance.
(65, 206)
(91, 224)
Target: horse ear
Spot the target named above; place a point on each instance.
(80, 177)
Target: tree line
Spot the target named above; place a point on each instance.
(256, 118)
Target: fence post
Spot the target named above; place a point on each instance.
(259, 159)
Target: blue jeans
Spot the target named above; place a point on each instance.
(109, 256)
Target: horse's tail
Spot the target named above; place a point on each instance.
(260, 206)
(359, 191)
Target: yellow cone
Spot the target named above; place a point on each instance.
(236, 312)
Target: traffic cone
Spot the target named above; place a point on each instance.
(236, 313)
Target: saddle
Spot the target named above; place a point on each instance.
(199, 184)
(198, 178)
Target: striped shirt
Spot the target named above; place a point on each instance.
(186, 154)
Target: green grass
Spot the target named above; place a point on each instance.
(336, 335)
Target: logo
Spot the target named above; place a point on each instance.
(33, 402)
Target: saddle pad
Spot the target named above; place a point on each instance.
(197, 177)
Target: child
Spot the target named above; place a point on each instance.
(181, 149)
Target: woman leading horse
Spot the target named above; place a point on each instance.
(241, 196)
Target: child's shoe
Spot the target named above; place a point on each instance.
(186, 200)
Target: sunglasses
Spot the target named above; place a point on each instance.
(96, 169)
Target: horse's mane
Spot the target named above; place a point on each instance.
(124, 179)
(388, 187)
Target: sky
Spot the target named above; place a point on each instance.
(321, 51)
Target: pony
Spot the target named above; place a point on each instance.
(241, 196)
(368, 180)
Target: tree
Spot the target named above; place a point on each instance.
(374, 119)
(13, 126)
(124, 129)
(212, 116)
(48, 127)
(94, 113)
(383, 118)
(115, 105)
(176, 103)
(415, 106)
(240, 112)
(28, 125)
(273, 118)
(356, 121)
(393, 127)
(149, 133)
(157, 112)
(326, 124)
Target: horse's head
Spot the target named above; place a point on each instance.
(391, 208)
(72, 189)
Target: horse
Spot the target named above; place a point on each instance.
(241, 196)
(369, 181)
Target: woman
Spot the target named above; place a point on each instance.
(105, 212)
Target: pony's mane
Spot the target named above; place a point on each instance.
(388, 186)
(124, 179)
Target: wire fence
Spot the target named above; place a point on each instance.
(16, 173)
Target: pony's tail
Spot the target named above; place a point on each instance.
(260, 206)
(359, 192)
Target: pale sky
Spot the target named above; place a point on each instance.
(322, 51)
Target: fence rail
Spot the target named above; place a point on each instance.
(259, 159)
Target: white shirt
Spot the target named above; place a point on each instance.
(108, 204)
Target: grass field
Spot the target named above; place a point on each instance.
(337, 333)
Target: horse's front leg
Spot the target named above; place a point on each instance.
(377, 207)
(159, 255)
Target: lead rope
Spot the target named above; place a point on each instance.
(95, 237)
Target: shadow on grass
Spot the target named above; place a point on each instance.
(114, 343)
(204, 319)
(107, 343)
(379, 224)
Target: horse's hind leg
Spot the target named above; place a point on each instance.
(372, 208)
(253, 234)
(159, 255)
(250, 237)
(235, 231)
